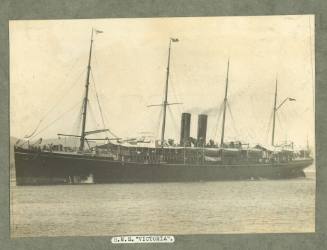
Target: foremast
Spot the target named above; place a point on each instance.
(85, 100)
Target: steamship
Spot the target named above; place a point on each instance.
(121, 161)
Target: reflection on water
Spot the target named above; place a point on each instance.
(263, 206)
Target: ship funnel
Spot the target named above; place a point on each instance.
(185, 129)
(202, 129)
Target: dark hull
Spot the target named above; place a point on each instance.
(37, 168)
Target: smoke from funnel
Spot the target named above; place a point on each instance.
(208, 111)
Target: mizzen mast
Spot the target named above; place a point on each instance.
(274, 118)
(276, 108)
(225, 104)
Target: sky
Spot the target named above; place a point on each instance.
(48, 60)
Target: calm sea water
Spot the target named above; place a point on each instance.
(263, 206)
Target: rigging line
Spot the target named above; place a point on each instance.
(233, 120)
(60, 116)
(268, 127)
(80, 119)
(285, 121)
(76, 126)
(249, 134)
(175, 96)
(73, 66)
(93, 79)
(103, 115)
(178, 100)
(67, 92)
(62, 84)
(174, 121)
(280, 123)
(163, 92)
(95, 60)
(216, 127)
(109, 130)
(220, 109)
(34, 131)
(54, 106)
(78, 122)
(96, 93)
(157, 127)
(93, 116)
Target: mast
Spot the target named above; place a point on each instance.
(81, 147)
(165, 101)
(225, 104)
(165, 104)
(274, 117)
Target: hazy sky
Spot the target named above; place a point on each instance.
(48, 62)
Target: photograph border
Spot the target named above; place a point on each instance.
(88, 9)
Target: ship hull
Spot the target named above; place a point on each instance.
(44, 168)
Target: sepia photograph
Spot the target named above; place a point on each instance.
(162, 126)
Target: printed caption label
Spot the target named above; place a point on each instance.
(143, 239)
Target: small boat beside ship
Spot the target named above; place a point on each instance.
(119, 160)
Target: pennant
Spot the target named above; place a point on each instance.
(98, 31)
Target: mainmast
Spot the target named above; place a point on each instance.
(274, 118)
(225, 104)
(81, 147)
(165, 103)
